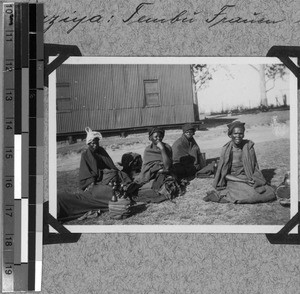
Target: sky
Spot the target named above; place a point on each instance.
(238, 86)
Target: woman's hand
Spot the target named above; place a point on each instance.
(250, 183)
(167, 162)
(236, 179)
(160, 145)
(89, 187)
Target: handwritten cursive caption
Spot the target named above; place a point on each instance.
(145, 13)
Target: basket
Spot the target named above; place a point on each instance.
(283, 190)
(120, 209)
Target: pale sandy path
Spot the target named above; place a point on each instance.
(208, 141)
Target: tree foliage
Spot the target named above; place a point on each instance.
(268, 74)
(275, 71)
(201, 75)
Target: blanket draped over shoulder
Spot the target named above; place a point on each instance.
(240, 192)
(187, 158)
(91, 164)
(152, 163)
(155, 186)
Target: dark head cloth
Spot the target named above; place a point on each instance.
(187, 127)
(156, 130)
(235, 124)
(128, 158)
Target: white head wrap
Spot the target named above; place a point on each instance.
(90, 135)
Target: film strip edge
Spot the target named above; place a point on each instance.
(8, 149)
(23, 84)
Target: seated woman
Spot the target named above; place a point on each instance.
(238, 178)
(187, 158)
(155, 179)
(97, 172)
(96, 166)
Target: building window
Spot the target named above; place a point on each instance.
(151, 93)
(63, 99)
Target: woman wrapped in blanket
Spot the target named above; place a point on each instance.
(97, 172)
(188, 160)
(155, 179)
(186, 153)
(238, 178)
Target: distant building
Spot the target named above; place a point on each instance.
(110, 97)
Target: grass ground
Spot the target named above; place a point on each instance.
(273, 157)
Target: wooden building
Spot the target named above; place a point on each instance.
(109, 97)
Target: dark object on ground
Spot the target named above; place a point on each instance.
(90, 214)
(213, 196)
(163, 187)
(285, 202)
(147, 195)
(138, 207)
(283, 191)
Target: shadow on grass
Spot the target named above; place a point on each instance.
(138, 208)
(268, 173)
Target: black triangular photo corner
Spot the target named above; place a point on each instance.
(284, 53)
(283, 236)
(63, 235)
(63, 52)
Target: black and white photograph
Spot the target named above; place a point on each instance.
(173, 144)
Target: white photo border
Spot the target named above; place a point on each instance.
(171, 228)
